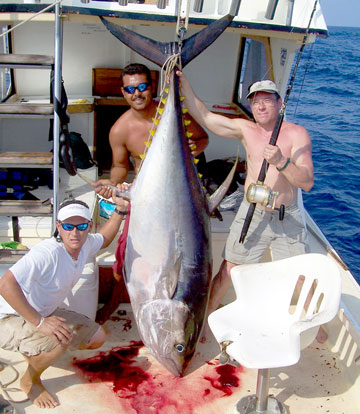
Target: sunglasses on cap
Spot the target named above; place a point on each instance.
(69, 227)
(141, 88)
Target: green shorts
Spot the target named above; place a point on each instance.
(19, 335)
(286, 238)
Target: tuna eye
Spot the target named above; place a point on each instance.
(180, 348)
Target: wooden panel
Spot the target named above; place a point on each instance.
(20, 158)
(12, 59)
(11, 256)
(108, 82)
(24, 208)
(26, 108)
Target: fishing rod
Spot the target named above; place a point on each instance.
(259, 193)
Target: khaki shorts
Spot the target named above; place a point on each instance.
(286, 238)
(19, 335)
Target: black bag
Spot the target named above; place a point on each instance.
(81, 152)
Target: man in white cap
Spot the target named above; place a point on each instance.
(290, 168)
(32, 290)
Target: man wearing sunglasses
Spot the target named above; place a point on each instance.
(130, 132)
(127, 140)
(34, 288)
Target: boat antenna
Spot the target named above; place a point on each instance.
(275, 133)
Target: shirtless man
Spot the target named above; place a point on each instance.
(130, 132)
(127, 138)
(290, 168)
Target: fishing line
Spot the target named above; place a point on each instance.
(31, 17)
(275, 133)
(307, 65)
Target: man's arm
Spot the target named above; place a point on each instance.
(53, 326)
(120, 155)
(299, 171)
(111, 227)
(220, 125)
(120, 164)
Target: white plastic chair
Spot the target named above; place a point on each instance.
(262, 327)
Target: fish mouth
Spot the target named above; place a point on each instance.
(172, 366)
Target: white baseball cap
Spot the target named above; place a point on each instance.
(263, 86)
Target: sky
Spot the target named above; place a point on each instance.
(341, 12)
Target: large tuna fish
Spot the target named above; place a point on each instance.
(168, 264)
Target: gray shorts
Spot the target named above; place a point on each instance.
(286, 238)
(19, 335)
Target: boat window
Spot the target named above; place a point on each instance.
(252, 67)
(5, 73)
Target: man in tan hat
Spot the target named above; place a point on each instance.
(290, 168)
(32, 290)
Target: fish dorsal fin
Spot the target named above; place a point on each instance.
(219, 194)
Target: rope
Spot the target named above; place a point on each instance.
(30, 18)
(4, 387)
(169, 65)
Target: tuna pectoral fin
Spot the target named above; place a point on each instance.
(219, 194)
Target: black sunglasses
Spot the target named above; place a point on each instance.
(69, 227)
(141, 88)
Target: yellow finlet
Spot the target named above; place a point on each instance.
(196, 160)
(147, 144)
(189, 134)
(184, 110)
(200, 175)
(161, 110)
(163, 100)
(182, 98)
(166, 90)
(187, 122)
(192, 147)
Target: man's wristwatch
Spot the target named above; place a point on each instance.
(120, 212)
(284, 166)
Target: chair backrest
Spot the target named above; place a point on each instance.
(296, 289)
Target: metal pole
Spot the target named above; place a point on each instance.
(57, 100)
(262, 390)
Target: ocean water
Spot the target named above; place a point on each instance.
(325, 99)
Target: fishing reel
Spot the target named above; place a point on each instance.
(261, 193)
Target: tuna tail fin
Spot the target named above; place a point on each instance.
(158, 52)
(219, 194)
(195, 44)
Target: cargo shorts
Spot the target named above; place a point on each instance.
(19, 335)
(286, 238)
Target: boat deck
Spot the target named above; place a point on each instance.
(122, 377)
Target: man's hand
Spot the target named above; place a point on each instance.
(273, 155)
(198, 146)
(101, 188)
(57, 329)
(121, 202)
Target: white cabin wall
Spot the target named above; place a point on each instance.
(90, 45)
(212, 76)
